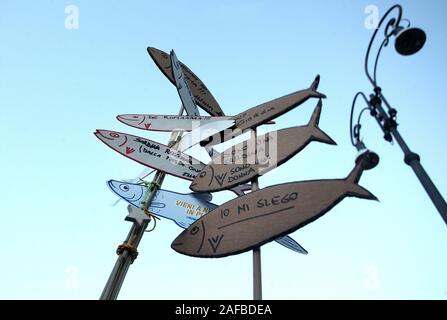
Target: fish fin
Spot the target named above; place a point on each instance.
(291, 244)
(117, 201)
(204, 196)
(240, 189)
(317, 133)
(321, 136)
(314, 86)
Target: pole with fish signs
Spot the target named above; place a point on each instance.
(129, 248)
(257, 276)
(173, 70)
(248, 221)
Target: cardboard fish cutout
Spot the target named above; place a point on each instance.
(258, 217)
(265, 112)
(237, 164)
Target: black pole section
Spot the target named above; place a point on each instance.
(410, 158)
(128, 255)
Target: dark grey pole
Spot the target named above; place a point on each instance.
(257, 275)
(125, 259)
(410, 158)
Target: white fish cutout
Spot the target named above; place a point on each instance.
(183, 87)
(152, 154)
(260, 114)
(183, 209)
(168, 123)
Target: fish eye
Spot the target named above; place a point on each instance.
(124, 187)
(194, 230)
(202, 174)
(114, 135)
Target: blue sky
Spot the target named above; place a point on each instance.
(59, 229)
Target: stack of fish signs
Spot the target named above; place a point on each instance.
(181, 208)
(249, 220)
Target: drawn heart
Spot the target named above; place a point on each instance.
(147, 125)
(129, 150)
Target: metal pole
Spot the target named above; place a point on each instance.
(257, 276)
(116, 278)
(413, 160)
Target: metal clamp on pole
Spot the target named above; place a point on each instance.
(133, 252)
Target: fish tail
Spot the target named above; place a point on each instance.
(358, 191)
(314, 86)
(315, 118)
(354, 189)
(317, 133)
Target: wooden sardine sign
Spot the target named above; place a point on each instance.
(240, 164)
(249, 221)
(202, 95)
(265, 112)
(152, 154)
(181, 208)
